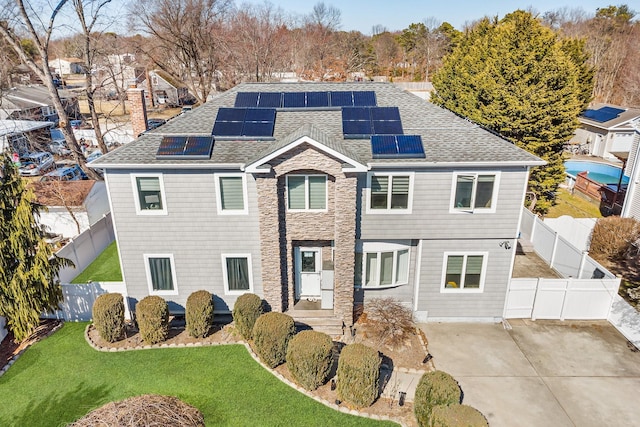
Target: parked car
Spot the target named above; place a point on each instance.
(154, 123)
(75, 124)
(65, 173)
(91, 157)
(60, 148)
(34, 164)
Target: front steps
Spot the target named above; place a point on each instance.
(318, 320)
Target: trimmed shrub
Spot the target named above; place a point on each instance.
(309, 358)
(152, 314)
(358, 374)
(271, 335)
(435, 388)
(199, 313)
(108, 316)
(246, 310)
(457, 415)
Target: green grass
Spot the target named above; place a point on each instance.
(105, 268)
(573, 205)
(61, 379)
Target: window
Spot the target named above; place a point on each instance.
(161, 274)
(464, 272)
(149, 194)
(390, 193)
(475, 192)
(237, 273)
(382, 264)
(231, 194)
(307, 192)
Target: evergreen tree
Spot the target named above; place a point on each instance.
(516, 77)
(28, 267)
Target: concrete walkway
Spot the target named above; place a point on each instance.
(542, 373)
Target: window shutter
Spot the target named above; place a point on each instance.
(231, 193)
(400, 192)
(296, 192)
(317, 192)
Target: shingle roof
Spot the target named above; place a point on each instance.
(447, 138)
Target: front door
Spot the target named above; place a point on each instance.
(307, 265)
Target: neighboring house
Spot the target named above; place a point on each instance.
(631, 206)
(67, 66)
(166, 90)
(116, 73)
(35, 103)
(24, 136)
(334, 194)
(86, 201)
(607, 131)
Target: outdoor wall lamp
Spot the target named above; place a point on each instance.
(505, 244)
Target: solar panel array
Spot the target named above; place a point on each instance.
(308, 100)
(397, 147)
(603, 114)
(254, 123)
(362, 122)
(185, 147)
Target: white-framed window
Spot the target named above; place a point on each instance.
(390, 192)
(307, 193)
(464, 271)
(231, 194)
(161, 274)
(237, 273)
(382, 264)
(148, 192)
(475, 192)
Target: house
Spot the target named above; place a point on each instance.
(631, 205)
(72, 206)
(319, 197)
(116, 73)
(607, 131)
(34, 103)
(67, 66)
(166, 90)
(24, 136)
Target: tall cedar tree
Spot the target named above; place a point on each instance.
(28, 267)
(516, 77)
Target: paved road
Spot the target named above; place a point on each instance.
(542, 373)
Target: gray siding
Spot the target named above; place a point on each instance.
(431, 219)
(192, 231)
(489, 303)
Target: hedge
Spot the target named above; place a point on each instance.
(309, 358)
(435, 388)
(108, 316)
(271, 335)
(358, 374)
(199, 313)
(152, 315)
(246, 310)
(457, 415)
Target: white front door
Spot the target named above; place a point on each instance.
(307, 265)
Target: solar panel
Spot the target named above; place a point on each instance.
(227, 128)
(294, 100)
(381, 127)
(270, 100)
(364, 98)
(247, 99)
(258, 129)
(198, 147)
(385, 113)
(171, 146)
(611, 110)
(356, 129)
(317, 99)
(603, 114)
(397, 147)
(231, 114)
(356, 113)
(260, 115)
(341, 99)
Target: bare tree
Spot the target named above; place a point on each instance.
(185, 39)
(23, 16)
(319, 31)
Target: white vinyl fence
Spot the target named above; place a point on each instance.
(586, 291)
(78, 300)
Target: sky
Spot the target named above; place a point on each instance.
(396, 15)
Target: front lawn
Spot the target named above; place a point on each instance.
(105, 268)
(61, 378)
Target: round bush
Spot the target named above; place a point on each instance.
(358, 374)
(435, 388)
(152, 314)
(246, 310)
(108, 316)
(457, 415)
(309, 358)
(271, 335)
(199, 313)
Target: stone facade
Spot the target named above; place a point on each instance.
(137, 110)
(281, 231)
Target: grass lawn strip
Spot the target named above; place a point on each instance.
(573, 205)
(105, 268)
(62, 378)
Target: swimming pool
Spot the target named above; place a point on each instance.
(600, 172)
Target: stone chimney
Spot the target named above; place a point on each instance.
(137, 110)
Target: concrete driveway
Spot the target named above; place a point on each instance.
(542, 373)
